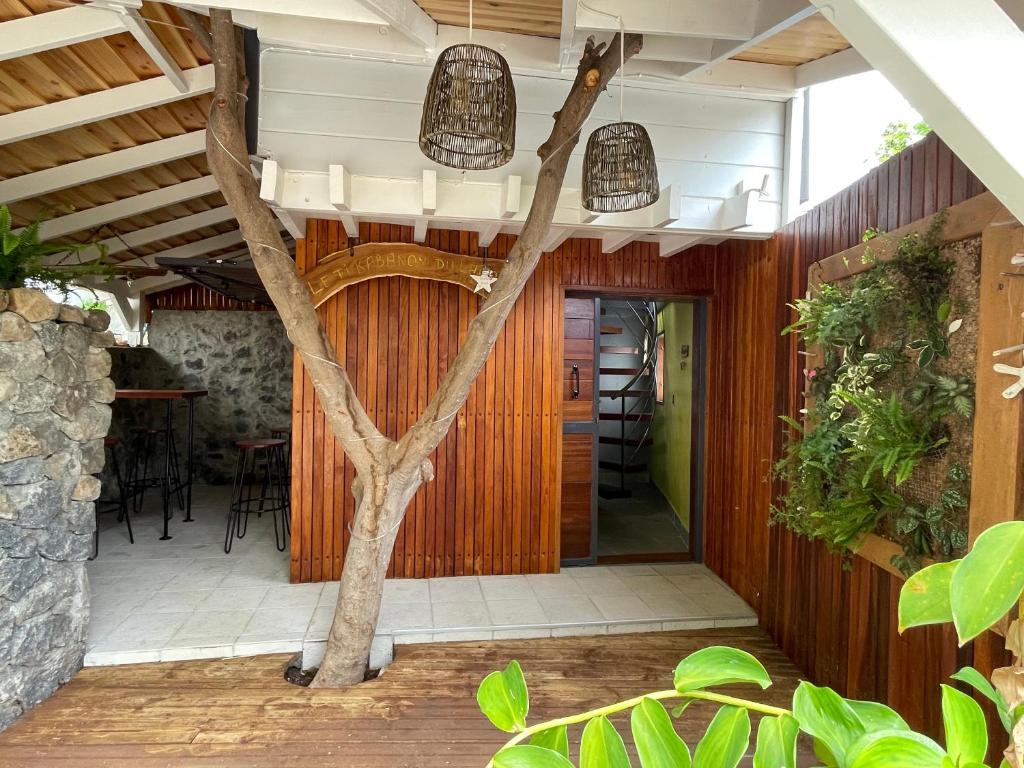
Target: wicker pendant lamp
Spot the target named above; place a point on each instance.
(469, 113)
(620, 172)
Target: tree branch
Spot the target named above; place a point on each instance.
(368, 449)
(596, 69)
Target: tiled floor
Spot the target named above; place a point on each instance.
(643, 523)
(184, 598)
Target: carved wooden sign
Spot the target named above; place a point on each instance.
(365, 262)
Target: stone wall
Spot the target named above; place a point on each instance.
(244, 360)
(54, 413)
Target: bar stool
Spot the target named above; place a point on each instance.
(110, 446)
(285, 433)
(259, 461)
(146, 449)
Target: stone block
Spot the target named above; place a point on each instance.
(93, 456)
(97, 364)
(32, 397)
(70, 400)
(23, 359)
(49, 335)
(8, 386)
(18, 576)
(90, 422)
(17, 442)
(14, 327)
(97, 320)
(102, 339)
(70, 314)
(75, 339)
(101, 390)
(37, 503)
(22, 471)
(32, 304)
(86, 489)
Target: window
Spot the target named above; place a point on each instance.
(659, 369)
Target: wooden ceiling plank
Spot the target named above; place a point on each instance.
(103, 166)
(14, 94)
(31, 34)
(167, 28)
(102, 105)
(118, 59)
(154, 47)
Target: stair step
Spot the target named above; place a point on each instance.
(634, 441)
(622, 371)
(630, 393)
(614, 465)
(611, 330)
(615, 350)
(629, 417)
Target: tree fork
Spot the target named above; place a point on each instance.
(388, 473)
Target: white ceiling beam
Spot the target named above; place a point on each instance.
(92, 218)
(718, 19)
(155, 283)
(146, 235)
(556, 236)
(340, 192)
(28, 123)
(670, 245)
(419, 229)
(967, 99)
(773, 16)
(407, 18)
(833, 67)
(151, 44)
(429, 193)
(793, 158)
(272, 178)
(102, 166)
(487, 232)
(616, 239)
(67, 26)
(511, 196)
(737, 211)
(676, 49)
(326, 10)
(566, 37)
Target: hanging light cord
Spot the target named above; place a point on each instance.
(622, 52)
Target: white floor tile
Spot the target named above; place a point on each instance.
(394, 616)
(173, 602)
(460, 615)
(554, 585)
(605, 586)
(622, 607)
(292, 596)
(233, 598)
(407, 591)
(515, 612)
(505, 588)
(570, 609)
(452, 589)
(284, 623)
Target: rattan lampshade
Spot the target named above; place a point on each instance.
(469, 113)
(619, 169)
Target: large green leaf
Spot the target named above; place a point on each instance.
(503, 698)
(989, 580)
(964, 723)
(925, 596)
(725, 741)
(555, 739)
(826, 716)
(719, 665)
(776, 742)
(657, 743)
(895, 749)
(530, 756)
(877, 717)
(602, 746)
(980, 683)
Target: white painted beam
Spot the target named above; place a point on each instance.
(419, 229)
(151, 44)
(28, 123)
(556, 236)
(155, 283)
(968, 99)
(429, 193)
(272, 178)
(827, 68)
(773, 16)
(670, 245)
(67, 26)
(792, 163)
(737, 211)
(102, 166)
(487, 232)
(407, 18)
(616, 239)
(92, 218)
(340, 193)
(718, 19)
(511, 196)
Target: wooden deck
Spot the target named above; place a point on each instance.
(420, 714)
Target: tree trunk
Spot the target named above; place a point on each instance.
(388, 472)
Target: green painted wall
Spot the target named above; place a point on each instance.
(670, 454)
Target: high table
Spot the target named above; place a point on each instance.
(170, 396)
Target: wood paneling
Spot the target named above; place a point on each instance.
(197, 297)
(542, 18)
(578, 360)
(493, 507)
(805, 41)
(577, 489)
(836, 621)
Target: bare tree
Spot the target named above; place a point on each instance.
(388, 472)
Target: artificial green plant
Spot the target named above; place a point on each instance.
(878, 407)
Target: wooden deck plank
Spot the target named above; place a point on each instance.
(421, 712)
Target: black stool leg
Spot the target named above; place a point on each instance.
(122, 501)
(234, 510)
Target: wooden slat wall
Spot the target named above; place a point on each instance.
(198, 297)
(838, 624)
(493, 505)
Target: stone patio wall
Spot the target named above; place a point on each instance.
(244, 360)
(54, 413)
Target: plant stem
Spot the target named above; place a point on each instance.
(611, 709)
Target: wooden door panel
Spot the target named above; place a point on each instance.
(577, 474)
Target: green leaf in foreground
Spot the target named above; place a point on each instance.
(776, 742)
(877, 717)
(980, 683)
(895, 749)
(925, 597)
(657, 742)
(825, 715)
(530, 756)
(503, 698)
(719, 665)
(725, 741)
(989, 580)
(555, 739)
(602, 746)
(964, 723)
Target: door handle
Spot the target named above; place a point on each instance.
(575, 394)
